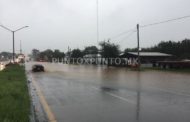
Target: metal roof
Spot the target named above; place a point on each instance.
(149, 54)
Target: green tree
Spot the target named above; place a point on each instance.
(35, 54)
(109, 50)
(76, 53)
(57, 54)
(46, 55)
(179, 49)
(90, 50)
(5, 55)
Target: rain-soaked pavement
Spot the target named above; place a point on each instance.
(100, 94)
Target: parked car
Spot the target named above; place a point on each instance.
(38, 68)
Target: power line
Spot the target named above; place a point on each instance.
(126, 37)
(152, 24)
(123, 33)
(166, 21)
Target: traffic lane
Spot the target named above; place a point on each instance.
(177, 82)
(74, 101)
(164, 95)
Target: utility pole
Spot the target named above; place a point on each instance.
(20, 47)
(13, 46)
(97, 20)
(69, 52)
(139, 62)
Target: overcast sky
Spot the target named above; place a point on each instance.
(57, 24)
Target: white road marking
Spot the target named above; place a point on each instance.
(172, 92)
(121, 98)
(117, 96)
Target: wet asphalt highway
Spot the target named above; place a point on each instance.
(100, 94)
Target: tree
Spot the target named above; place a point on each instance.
(46, 55)
(76, 53)
(179, 49)
(5, 55)
(90, 50)
(109, 50)
(35, 54)
(57, 54)
(130, 50)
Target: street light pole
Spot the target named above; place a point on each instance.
(97, 21)
(20, 47)
(13, 32)
(138, 49)
(13, 46)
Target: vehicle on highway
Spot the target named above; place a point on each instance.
(38, 68)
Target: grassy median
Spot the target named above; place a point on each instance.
(14, 97)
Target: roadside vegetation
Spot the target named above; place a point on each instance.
(179, 49)
(14, 97)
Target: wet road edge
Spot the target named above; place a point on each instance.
(37, 113)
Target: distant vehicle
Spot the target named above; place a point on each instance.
(38, 68)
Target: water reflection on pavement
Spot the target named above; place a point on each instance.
(84, 93)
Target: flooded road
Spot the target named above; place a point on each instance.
(100, 94)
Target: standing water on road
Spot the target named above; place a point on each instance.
(85, 93)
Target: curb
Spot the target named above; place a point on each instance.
(37, 113)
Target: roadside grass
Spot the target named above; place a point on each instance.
(14, 96)
(185, 70)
